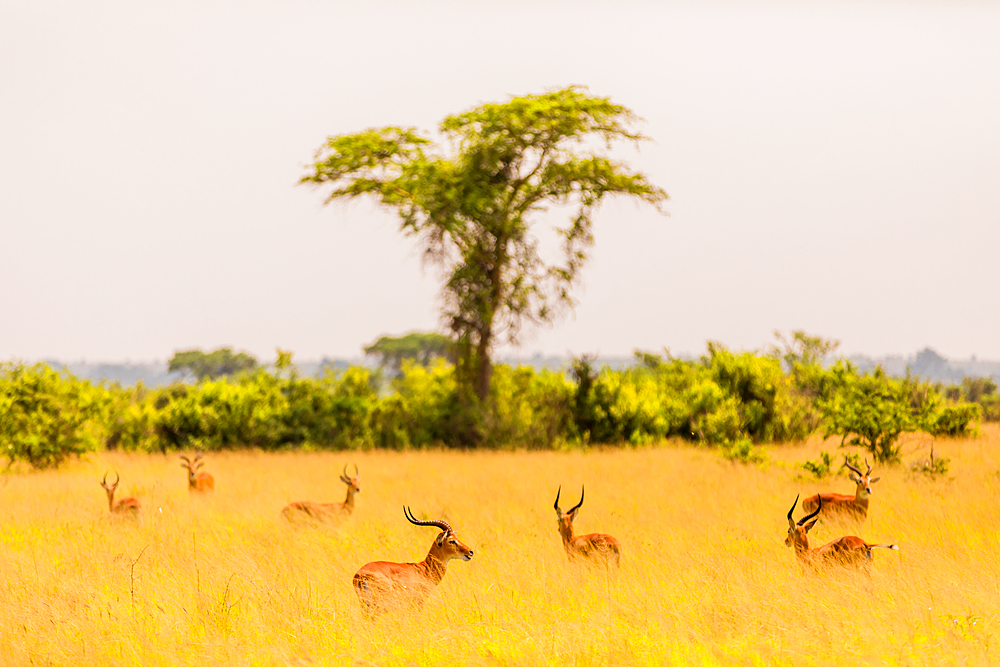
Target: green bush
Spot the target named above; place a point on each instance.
(820, 468)
(954, 420)
(869, 411)
(991, 407)
(46, 416)
(530, 409)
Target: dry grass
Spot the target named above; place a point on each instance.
(705, 578)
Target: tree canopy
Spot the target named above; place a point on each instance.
(211, 365)
(416, 346)
(472, 195)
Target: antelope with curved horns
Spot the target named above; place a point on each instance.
(855, 506)
(124, 506)
(847, 550)
(382, 582)
(304, 509)
(197, 481)
(588, 546)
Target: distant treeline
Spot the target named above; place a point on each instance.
(724, 399)
(927, 364)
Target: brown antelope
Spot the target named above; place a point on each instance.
(199, 482)
(588, 546)
(856, 506)
(382, 583)
(125, 506)
(323, 511)
(847, 550)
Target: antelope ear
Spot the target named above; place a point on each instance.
(440, 539)
(344, 480)
(855, 478)
(874, 479)
(809, 525)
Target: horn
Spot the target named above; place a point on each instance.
(104, 480)
(357, 473)
(790, 519)
(819, 506)
(848, 464)
(186, 459)
(557, 500)
(869, 467)
(344, 474)
(443, 525)
(577, 506)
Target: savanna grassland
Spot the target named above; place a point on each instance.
(705, 576)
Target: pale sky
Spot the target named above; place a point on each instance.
(832, 167)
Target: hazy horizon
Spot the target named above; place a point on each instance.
(832, 168)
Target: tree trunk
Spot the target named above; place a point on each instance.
(484, 365)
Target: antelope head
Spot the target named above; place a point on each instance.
(114, 485)
(566, 519)
(446, 545)
(797, 531)
(353, 482)
(863, 480)
(192, 466)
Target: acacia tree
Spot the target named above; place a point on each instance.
(211, 365)
(414, 346)
(472, 197)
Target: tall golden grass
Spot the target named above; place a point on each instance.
(705, 577)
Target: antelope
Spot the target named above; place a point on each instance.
(124, 506)
(382, 582)
(322, 511)
(588, 546)
(855, 506)
(199, 482)
(847, 550)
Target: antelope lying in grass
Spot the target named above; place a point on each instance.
(125, 506)
(594, 545)
(198, 482)
(847, 550)
(326, 511)
(854, 507)
(382, 584)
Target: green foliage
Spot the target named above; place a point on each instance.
(803, 350)
(420, 348)
(803, 356)
(421, 409)
(868, 411)
(954, 420)
(975, 389)
(820, 468)
(979, 390)
(768, 410)
(529, 409)
(212, 365)
(743, 451)
(473, 198)
(933, 466)
(46, 416)
(722, 399)
(726, 400)
(991, 407)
